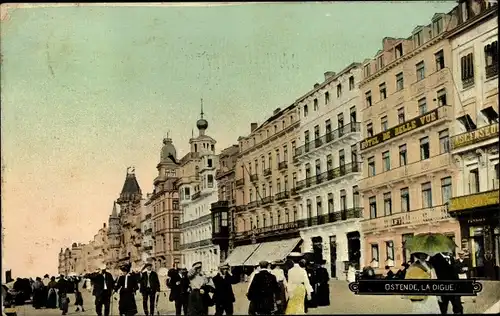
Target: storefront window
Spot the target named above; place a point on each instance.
(477, 246)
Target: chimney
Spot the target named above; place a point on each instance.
(329, 74)
(316, 85)
(276, 111)
(104, 225)
(253, 127)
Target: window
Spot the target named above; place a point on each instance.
(264, 190)
(387, 204)
(446, 189)
(426, 195)
(367, 70)
(270, 186)
(405, 200)
(354, 153)
(294, 213)
(474, 181)
(306, 110)
(250, 194)
(355, 197)
(175, 205)
(339, 90)
(369, 130)
(352, 116)
(383, 91)
(319, 209)
(386, 161)
(330, 203)
(327, 97)
(467, 70)
(420, 70)
(209, 163)
(441, 97)
(491, 59)
(294, 180)
(309, 208)
(399, 81)
(210, 180)
(383, 123)
(371, 166)
(437, 26)
(417, 39)
(315, 104)
(256, 163)
(270, 158)
(422, 106)
(277, 158)
(368, 98)
(343, 200)
(398, 50)
(375, 255)
(424, 148)
(444, 142)
(351, 82)
(402, 155)
(389, 250)
(175, 222)
(439, 57)
(401, 115)
(373, 207)
(380, 62)
(328, 129)
(176, 243)
(285, 153)
(316, 132)
(329, 162)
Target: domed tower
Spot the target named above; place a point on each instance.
(167, 168)
(202, 144)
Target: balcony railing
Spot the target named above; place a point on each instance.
(220, 204)
(476, 200)
(283, 165)
(240, 208)
(240, 182)
(196, 195)
(431, 215)
(491, 70)
(294, 191)
(329, 175)
(196, 244)
(282, 195)
(267, 200)
(148, 231)
(267, 172)
(194, 222)
(254, 177)
(328, 137)
(148, 247)
(252, 204)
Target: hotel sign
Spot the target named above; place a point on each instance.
(400, 129)
(476, 136)
(474, 200)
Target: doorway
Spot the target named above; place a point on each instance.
(354, 248)
(333, 256)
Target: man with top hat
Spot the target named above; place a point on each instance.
(150, 286)
(223, 293)
(102, 287)
(127, 284)
(197, 301)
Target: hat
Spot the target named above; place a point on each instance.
(224, 266)
(295, 255)
(197, 265)
(125, 267)
(263, 263)
(148, 264)
(279, 262)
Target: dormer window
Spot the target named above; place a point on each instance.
(398, 51)
(417, 39)
(339, 90)
(380, 62)
(383, 91)
(306, 111)
(464, 10)
(351, 83)
(367, 70)
(315, 104)
(327, 97)
(437, 26)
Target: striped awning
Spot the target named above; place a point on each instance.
(272, 251)
(240, 254)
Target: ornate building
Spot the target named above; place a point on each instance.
(164, 211)
(198, 190)
(330, 170)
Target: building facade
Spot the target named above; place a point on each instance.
(330, 169)
(147, 232)
(197, 191)
(265, 217)
(408, 95)
(475, 202)
(164, 211)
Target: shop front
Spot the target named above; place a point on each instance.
(479, 218)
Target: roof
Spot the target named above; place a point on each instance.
(131, 186)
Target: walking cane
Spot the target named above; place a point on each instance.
(156, 304)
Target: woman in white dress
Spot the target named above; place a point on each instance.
(421, 270)
(351, 274)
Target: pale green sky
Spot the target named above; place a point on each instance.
(88, 91)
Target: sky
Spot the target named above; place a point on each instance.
(88, 91)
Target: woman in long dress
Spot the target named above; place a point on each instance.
(422, 270)
(127, 284)
(52, 297)
(298, 287)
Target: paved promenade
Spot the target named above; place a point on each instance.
(342, 302)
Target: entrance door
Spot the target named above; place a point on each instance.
(333, 256)
(354, 248)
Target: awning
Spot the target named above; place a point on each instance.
(272, 251)
(240, 254)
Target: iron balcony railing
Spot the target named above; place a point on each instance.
(283, 165)
(329, 175)
(267, 200)
(328, 137)
(491, 70)
(267, 172)
(254, 177)
(148, 231)
(282, 195)
(240, 182)
(196, 244)
(196, 195)
(294, 191)
(220, 204)
(252, 204)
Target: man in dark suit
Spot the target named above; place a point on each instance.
(150, 285)
(178, 283)
(445, 267)
(223, 292)
(263, 291)
(103, 284)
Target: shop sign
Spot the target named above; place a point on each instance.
(474, 200)
(400, 129)
(476, 136)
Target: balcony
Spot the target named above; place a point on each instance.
(197, 221)
(281, 196)
(196, 244)
(267, 172)
(294, 191)
(220, 204)
(252, 205)
(240, 182)
(475, 201)
(239, 209)
(196, 195)
(267, 200)
(409, 171)
(474, 137)
(254, 177)
(282, 165)
(343, 215)
(329, 137)
(428, 119)
(147, 248)
(148, 231)
(329, 175)
(427, 216)
(491, 70)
